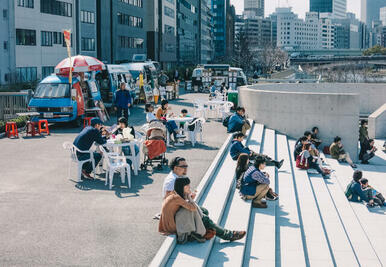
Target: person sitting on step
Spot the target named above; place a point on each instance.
(337, 152)
(367, 151)
(180, 197)
(238, 122)
(255, 184)
(299, 146)
(372, 193)
(314, 137)
(238, 148)
(241, 167)
(312, 161)
(354, 191)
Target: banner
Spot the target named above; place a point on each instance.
(67, 39)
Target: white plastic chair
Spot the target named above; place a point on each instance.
(73, 150)
(198, 124)
(135, 159)
(219, 95)
(225, 109)
(116, 163)
(199, 109)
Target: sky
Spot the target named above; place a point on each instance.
(300, 7)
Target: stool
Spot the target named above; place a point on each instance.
(45, 129)
(11, 129)
(87, 121)
(31, 128)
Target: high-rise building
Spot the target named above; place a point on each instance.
(257, 30)
(206, 33)
(86, 12)
(370, 10)
(336, 7)
(120, 28)
(7, 42)
(219, 23)
(230, 30)
(255, 7)
(382, 15)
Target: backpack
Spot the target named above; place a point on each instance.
(226, 121)
(302, 162)
(348, 191)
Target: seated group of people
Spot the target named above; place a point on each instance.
(181, 215)
(359, 190)
(367, 145)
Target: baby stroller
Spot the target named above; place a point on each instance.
(154, 147)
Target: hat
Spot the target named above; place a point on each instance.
(95, 121)
(357, 175)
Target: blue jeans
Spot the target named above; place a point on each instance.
(171, 126)
(87, 167)
(125, 112)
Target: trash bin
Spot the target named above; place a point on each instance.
(233, 96)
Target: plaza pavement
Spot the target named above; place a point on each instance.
(48, 220)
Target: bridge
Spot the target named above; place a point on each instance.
(315, 60)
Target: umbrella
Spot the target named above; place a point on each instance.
(79, 64)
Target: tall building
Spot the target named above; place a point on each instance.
(120, 28)
(257, 31)
(206, 33)
(370, 10)
(161, 28)
(336, 7)
(255, 7)
(230, 30)
(219, 23)
(188, 32)
(7, 42)
(86, 11)
(382, 15)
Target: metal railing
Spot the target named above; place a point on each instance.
(12, 103)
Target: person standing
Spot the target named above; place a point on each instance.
(122, 101)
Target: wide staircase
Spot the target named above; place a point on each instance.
(311, 224)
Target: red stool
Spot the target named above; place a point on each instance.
(45, 129)
(31, 128)
(11, 129)
(87, 121)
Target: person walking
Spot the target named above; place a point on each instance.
(122, 101)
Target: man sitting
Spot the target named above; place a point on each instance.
(84, 141)
(372, 193)
(178, 168)
(299, 146)
(367, 151)
(314, 137)
(354, 191)
(255, 185)
(337, 152)
(238, 122)
(238, 148)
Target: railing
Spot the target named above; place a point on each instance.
(12, 103)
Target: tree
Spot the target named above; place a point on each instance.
(375, 50)
(243, 57)
(270, 57)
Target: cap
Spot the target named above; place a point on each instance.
(95, 121)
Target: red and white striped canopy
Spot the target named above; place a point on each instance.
(79, 64)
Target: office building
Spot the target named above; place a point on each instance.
(206, 32)
(230, 30)
(86, 11)
(7, 43)
(336, 7)
(382, 15)
(349, 33)
(120, 28)
(219, 21)
(257, 30)
(370, 10)
(254, 8)
(273, 19)
(188, 32)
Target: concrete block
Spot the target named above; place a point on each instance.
(377, 123)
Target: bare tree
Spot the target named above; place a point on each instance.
(270, 57)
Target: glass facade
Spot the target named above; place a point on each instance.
(321, 6)
(219, 21)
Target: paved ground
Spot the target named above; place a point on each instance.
(48, 220)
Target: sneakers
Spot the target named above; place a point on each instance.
(353, 166)
(259, 205)
(180, 136)
(157, 216)
(86, 175)
(365, 162)
(280, 164)
(236, 235)
(197, 237)
(272, 198)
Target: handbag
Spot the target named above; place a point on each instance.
(326, 150)
(302, 162)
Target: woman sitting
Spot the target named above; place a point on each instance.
(171, 125)
(181, 198)
(122, 125)
(308, 161)
(241, 167)
(149, 108)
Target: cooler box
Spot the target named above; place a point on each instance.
(233, 96)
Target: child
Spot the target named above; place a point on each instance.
(372, 193)
(184, 114)
(149, 108)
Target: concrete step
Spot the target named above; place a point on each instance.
(260, 249)
(289, 240)
(215, 200)
(316, 243)
(357, 219)
(236, 217)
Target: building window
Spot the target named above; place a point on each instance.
(170, 1)
(169, 12)
(88, 44)
(55, 7)
(5, 45)
(47, 71)
(26, 3)
(25, 37)
(87, 17)
(169, 29)
(128, 20)
(57, 37)
(46, 38)
(26, 74)
(5, 13)
(138, 3)
(131, 42)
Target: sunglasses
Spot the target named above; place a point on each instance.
(183, 166)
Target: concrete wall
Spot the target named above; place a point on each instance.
(377, 123)
(371, 95)
(294, 112)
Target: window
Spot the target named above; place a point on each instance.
(55, 7)
(46, 38)
(52, 90)
(88, 44)
(128, 20)
(26, 3)
(25, 37)
(26, 74)
(138, 3)
(131, 42)
(5, 13)
(5, 45)
(169, 12)
(57, 37)
(169, 29)
(87, 17)
(47, 71)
